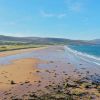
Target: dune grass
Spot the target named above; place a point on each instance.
(18, 47)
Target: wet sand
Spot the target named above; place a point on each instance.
(46, 73)
(13, 52)
(20, 72)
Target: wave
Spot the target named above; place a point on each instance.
(84, 56)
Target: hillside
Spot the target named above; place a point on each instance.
(96, 41)
(38, 40)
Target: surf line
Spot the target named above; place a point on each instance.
(89, 61)
(79, 54)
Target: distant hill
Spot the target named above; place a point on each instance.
(38, 40)
(96, 41)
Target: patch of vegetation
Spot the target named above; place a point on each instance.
(18, 46)
(75, 90)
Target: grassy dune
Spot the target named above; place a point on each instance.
(17, 47)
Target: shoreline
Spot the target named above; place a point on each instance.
(43, 72)
(13, 52)
(84, 56)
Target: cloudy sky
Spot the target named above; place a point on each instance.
(74, 19)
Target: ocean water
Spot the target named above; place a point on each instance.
(89, 53)
(93, 50)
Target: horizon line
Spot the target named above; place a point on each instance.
(46, 37)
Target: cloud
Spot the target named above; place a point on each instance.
(75, 5)
(50, 15)
(61, 15)
(45, 14)
(72, 6)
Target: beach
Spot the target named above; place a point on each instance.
(7, 53)
(47, 71)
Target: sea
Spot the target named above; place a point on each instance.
(93, 50)
(88, 51)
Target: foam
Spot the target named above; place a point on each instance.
(84, 56)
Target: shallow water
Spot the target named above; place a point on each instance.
(59, 54)
(85, 57)
(48, 54)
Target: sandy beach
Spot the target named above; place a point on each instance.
(13, 52)
(44, 73)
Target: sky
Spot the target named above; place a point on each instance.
(72, 19)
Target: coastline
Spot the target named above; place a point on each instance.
(43, 69)
(13, 52)
(84, 56)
